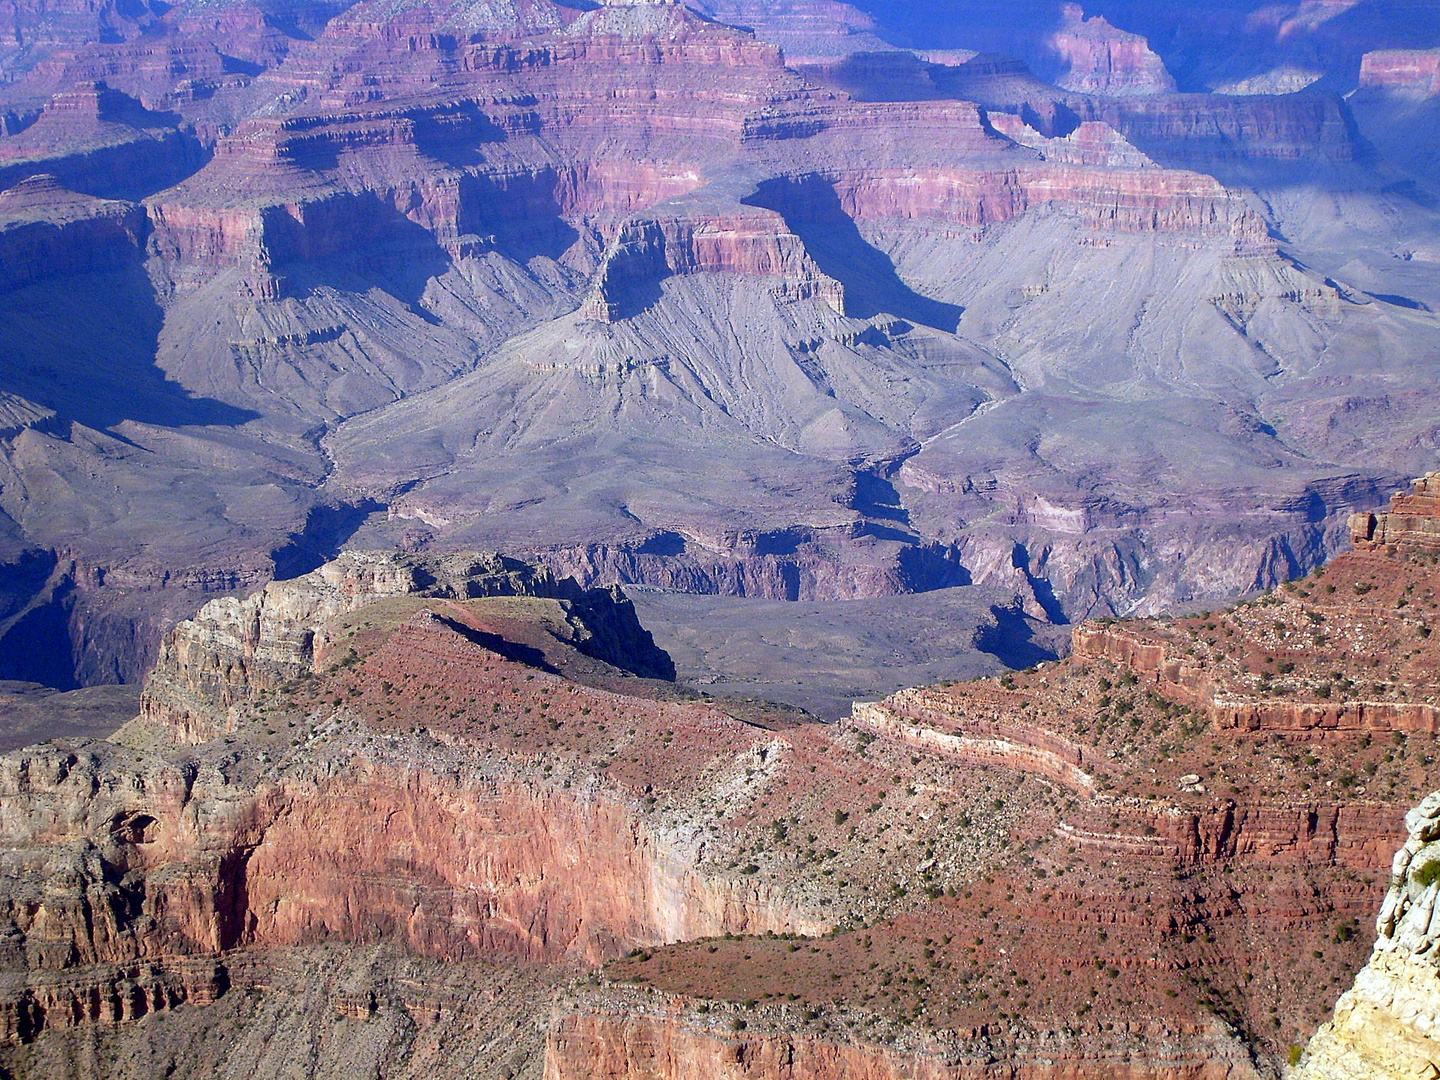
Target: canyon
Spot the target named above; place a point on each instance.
(511, 276)
(436, 813)
(568, 540)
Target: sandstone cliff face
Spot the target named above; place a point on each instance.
(1412, 524)
(1385, 1026)
(656, 1046)
(131, 877)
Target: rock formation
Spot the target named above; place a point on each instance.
(349, 274)
(1104, 60)
(1226, 664)
(407, 764)
(234, 649)
(1408, 71)
(1385, 1024)
(1412, 524)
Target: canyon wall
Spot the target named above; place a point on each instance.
(129, 882)
(651, 1046)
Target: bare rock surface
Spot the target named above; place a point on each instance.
(409, 818)
(1384, 1026)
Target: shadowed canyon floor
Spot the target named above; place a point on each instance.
(413, 816)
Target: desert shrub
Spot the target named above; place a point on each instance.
(1428, 874)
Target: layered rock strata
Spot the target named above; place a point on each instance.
(1373, 607)
(1409, 71)
(881, 896)
(1104, 60)
(392, 199)
(657, 1046)
(133, 874)
(1412, 524)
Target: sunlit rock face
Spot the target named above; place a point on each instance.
(1386, 1026)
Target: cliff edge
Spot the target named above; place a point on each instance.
(1387, 1026)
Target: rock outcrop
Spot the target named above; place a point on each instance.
(428, 755)
(648, 249)
(1385, 1026)
(47, 231)
(236, 648)
(1413, 72)
(1103, 60)
(1365, 607)
(1412, 524)
(984, 736)
(656, 1046)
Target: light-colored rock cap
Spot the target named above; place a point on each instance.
(1387, 1026)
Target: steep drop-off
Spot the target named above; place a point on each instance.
(1384, 1026)
(410, 757)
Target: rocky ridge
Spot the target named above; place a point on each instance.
(719, 888)
(234, 649)
(1310, 634)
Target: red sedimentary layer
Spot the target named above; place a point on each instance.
(492, 833)
(656, 1047)
(1183, 681)
(598, 127)
(109, 994)
(1330, 835)
(1389, 569)
(452, 860)
(1412, 523)
(1414, 71)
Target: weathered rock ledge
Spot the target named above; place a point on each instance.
(1387, 1026)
